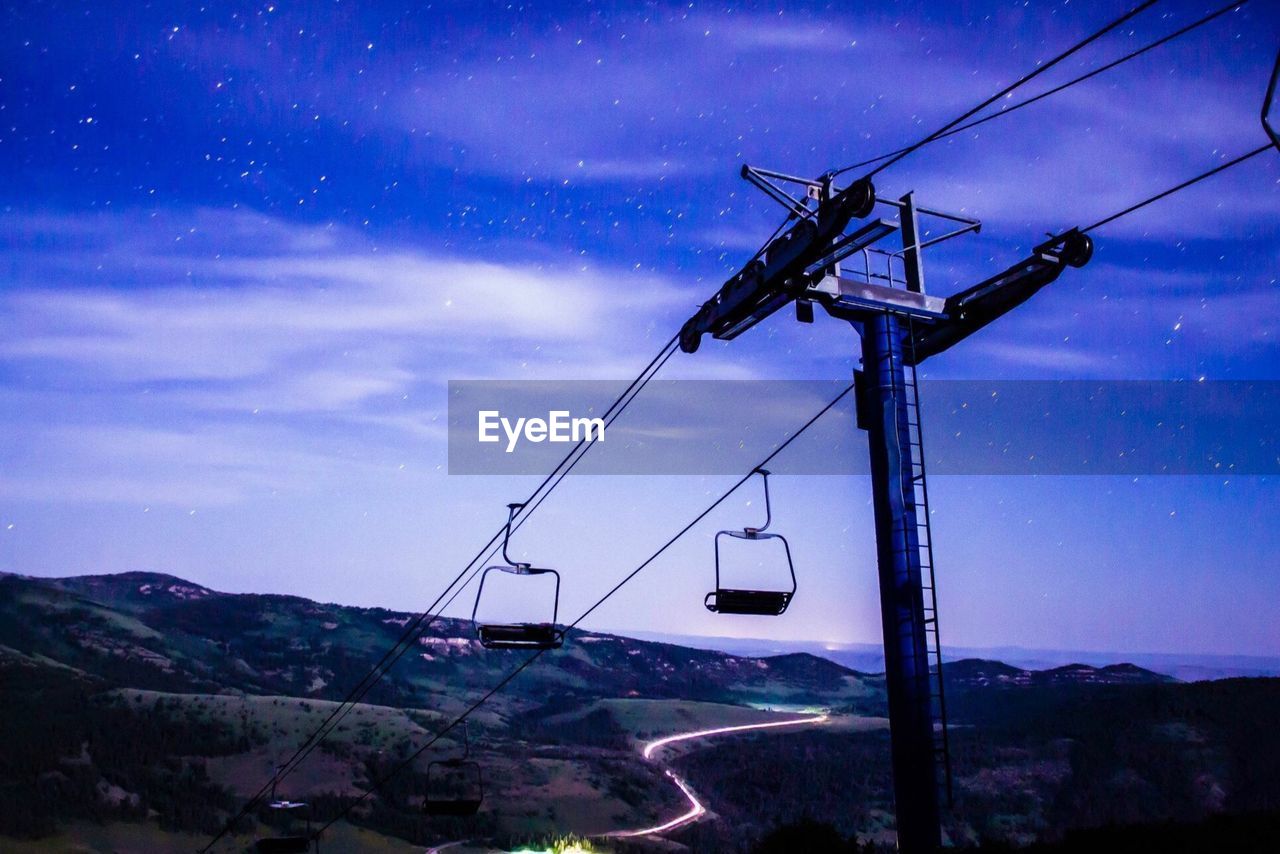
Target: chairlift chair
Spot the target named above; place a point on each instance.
(767, 603)
(292, 844)
(518, 635)
(455, 803)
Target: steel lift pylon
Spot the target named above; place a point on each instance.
(900, 325)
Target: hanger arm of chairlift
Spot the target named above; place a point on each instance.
(768, 511)
(512, 510)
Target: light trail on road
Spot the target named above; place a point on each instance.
(653, 746)
(696, 811)
(696, 808)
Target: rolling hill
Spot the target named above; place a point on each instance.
(154, 631)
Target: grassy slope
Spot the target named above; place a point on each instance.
(531, 789)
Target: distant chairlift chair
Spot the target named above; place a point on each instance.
(768, 603)
(518, 635)
(464, 796)
(294, 844)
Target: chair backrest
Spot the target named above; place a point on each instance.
(517, 569)
(756, 535)
(467, 803)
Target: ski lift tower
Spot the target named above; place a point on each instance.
(832, 256)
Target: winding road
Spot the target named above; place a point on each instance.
(696, 808)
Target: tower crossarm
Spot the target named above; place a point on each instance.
(973, 308)
(778, 273)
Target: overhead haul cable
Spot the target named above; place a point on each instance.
(1056, 89)
(1235, 161)
(1021, 81)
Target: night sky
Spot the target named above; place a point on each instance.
(244, 247)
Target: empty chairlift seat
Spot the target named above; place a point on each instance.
(519, 635)
(733, 600)
(455, 787)
(453, 800)
(294, 843)
(524, 635)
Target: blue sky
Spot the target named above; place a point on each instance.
(244, 248)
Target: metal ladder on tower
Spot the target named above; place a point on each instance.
(924, 535)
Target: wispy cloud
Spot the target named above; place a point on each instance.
(1058, 359)
(231, 357)
(235, 316)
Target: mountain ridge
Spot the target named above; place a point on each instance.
(158, 631)
(978, 672)
(869, 658)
